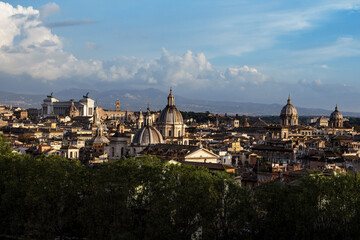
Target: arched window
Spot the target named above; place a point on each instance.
(179, 133)
(71, 155)
(122, 151)
(170, 133)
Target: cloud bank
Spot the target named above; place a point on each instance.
(28, 47)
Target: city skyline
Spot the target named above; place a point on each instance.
(236, 51)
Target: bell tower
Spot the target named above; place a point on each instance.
(117, 105)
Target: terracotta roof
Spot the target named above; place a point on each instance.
(262, 147)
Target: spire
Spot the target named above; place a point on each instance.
(96, 117)
(141, 114)
(171, 99)
(336, 108)
(289, 100)
(140, 121)
(148, 119)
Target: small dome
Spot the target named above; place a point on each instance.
(147, 135)
(288, 109)
(170, 114)
(336, 115)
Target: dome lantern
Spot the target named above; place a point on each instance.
(171, 99)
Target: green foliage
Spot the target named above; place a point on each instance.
(4, 146)
(144, 198)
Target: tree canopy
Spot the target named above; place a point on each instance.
(145, 198)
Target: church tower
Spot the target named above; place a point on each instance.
(117, 105)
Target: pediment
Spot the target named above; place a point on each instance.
(201, 153)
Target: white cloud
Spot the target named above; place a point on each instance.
(318, 82)
(342, 47)
(190, 70)
(91, 45)
(324, 66)
(305, 82)
(259, 26)
(28, 47)
(245, 74)
(49, 9)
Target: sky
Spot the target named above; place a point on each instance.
(246, 51)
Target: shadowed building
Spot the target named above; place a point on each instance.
(336, 119)
(289, 115)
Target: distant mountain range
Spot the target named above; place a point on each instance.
(135, 99)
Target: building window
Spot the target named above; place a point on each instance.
(71, 155)
(90, 111)
(169, 132)
(113, 151)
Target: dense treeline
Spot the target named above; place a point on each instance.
(143, 198)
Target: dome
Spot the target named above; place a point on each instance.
(170, 114)
(288, 109)
(147, 135)
(336, 115)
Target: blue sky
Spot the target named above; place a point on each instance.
(254, 51)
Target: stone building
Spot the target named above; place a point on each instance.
(52, 106)
(322, 122)
(119, 146)
(21, 114)
(73, 111)
(124, 116)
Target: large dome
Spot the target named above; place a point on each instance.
(170, 114)
(336, 115)
(147, 135)
(288, 110)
